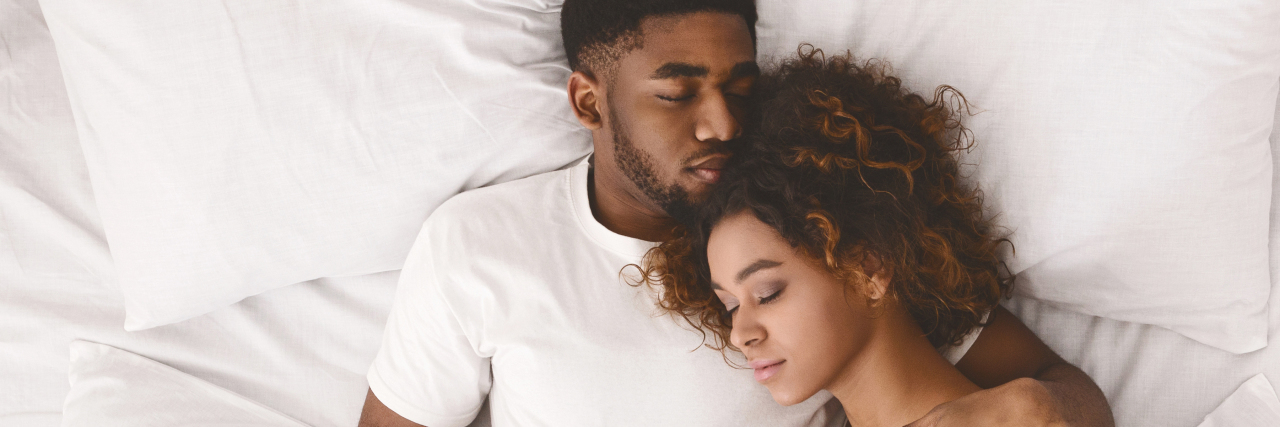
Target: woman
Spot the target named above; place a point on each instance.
(839, 250)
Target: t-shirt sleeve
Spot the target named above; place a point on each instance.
(956, 352)
(428, 369)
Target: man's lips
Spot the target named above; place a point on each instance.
(765, 369)
(708, 175)
(709, 168)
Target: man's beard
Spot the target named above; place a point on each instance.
(637, 165)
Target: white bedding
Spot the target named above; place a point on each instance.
(1253, 404)
(302, 350)
(113, 387)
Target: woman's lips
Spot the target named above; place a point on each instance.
(765, 369)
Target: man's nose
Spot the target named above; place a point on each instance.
(747, 330)
(716, 121)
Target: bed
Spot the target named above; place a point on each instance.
(297, 353)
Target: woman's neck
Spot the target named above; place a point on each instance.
(899, 377)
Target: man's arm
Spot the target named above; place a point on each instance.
(375, 414)
(1026, 383)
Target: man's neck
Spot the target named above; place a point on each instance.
(623, 213)
(899, 378)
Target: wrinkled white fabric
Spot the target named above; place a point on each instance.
(237, 147)
(113, 387)
(1253, 404)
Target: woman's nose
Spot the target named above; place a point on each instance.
(747, 330)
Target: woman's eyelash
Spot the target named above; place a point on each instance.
(728, 314)
(771, 297)
(674, 99)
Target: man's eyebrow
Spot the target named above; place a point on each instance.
(745, 69)
(760, 264)
(673, 70)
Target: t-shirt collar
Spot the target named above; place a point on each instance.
(578, 182)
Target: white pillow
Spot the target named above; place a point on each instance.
(237, 146)
(1124, 144)
(113, 387)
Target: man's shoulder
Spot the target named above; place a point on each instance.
(514, 201)
(498, 223)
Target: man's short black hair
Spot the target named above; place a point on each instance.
(598, 32)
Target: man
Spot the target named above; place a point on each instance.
(517, 292)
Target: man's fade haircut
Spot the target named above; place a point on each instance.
(598, 32)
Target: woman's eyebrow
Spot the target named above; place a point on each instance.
(760, 264)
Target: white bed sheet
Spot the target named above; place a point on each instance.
(48, 251)
(1253, 404)
(303, 350)
(112, 387)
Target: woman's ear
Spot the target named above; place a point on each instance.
(584, 99)
(878, 274)
(878, 286)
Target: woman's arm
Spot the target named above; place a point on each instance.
(1026, 383)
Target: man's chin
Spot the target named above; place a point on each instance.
(684, 209)
(697, 198)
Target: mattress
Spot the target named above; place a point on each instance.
(303, 350)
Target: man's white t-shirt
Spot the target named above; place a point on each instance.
(517, 293)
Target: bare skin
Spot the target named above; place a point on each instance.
(804, 330)
(682, 118)
(1024, 379)
(375, 414)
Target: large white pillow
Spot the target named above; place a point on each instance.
(237, 146)
(1124, 144)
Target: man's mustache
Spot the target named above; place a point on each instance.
(705, 153)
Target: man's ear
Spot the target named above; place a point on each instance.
(584, 98)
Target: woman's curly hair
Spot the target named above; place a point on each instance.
(845, 163)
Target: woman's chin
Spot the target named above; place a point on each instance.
(786, 396)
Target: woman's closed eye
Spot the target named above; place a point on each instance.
(771, 297)
(731, 307)
(729, 302)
